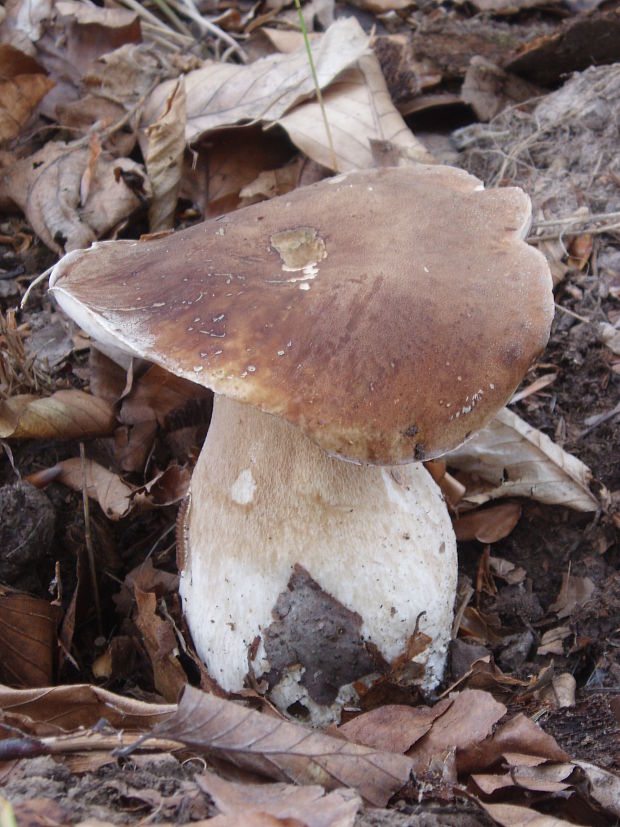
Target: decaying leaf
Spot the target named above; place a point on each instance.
(163, 155)
(56, 710)
(70, 414)
(281, 750)
(224, 94)
(516, 460)
(162, 646)
(574, 592)
(359, 110)
(23, 83)
(115, 497)
(488, 89)
(487, 525)
(28, 639)
(393, 727)
(48, 188)
(309, 805)
(512, 815)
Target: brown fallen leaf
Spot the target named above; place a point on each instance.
(55, 710)
(70, 414)
(282, 750)
(393, 727)
(511, 815)
(163, 148)
(488, 89)
(23, 83)
(519, 741)
(28, 639)
(161, 645)
(310, 805)
(467, 721)
(574, 592)
(115, 496)
(487, 525)
(47, 187)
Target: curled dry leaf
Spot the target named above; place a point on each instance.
(516, 460)
(163, 150)
(48, 188)
(574, 592)
(224, 94)
(161, 644)
(282, 750)
(310, 805)
(28, 639)
(487, 525)
(59, 709)
(23, 83)
(70, 414)
(115, 497)
(359, 111)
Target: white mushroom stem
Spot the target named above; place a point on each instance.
(264, 497)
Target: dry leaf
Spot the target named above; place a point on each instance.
(551, 641)
(113, 495)
(574, 592)
(487, 525)
(511, 815)
(270, 183)
(506, 570)
(60, 709)
(163, 152)
(28, 640)
(224, 94)
(604, 786)
(488, 89)
(228, 160)
(68, 414)
(161, 645)
(310, 805)
(516, 741)
(359, 110)
(47, 188)
(23, 83)
(519, 461)
(468, 720)
(282, 750)
(393, 727)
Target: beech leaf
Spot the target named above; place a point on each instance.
(282, 750)
(70, 414)
(516, 460)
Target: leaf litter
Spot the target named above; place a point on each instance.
(550, 623)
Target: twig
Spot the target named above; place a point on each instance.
(188, 8)
(89, 541)
(573, 314)
(598, 420)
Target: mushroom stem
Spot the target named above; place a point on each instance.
(379, 540)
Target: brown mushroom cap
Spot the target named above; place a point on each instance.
(386, 313)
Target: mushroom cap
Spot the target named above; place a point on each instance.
(388, 313)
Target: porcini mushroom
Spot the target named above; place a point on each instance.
(378, 317)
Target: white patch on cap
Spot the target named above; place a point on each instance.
(243, 488)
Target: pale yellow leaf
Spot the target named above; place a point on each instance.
(517, 460)
(359, 110)
(224, 94)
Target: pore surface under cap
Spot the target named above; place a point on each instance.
(386, 313)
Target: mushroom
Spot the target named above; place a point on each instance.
(378, 317)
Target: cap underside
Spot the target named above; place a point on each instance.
(386, 313)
